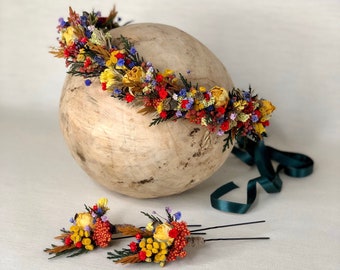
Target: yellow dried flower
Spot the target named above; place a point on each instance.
(259, 128)
(74, 228)
(84, 219)
(89, 247)
(86, 241)
(243, 117)
(168, 72)
(87, 233)
(159, 110)
(102, 202)
(148, 253)
(240, 105)
(142, 244)
(134, 76)
(266, 109)
(163, 246)
(149, 240)
(220, 95)
(162, 233)
(202, 89)
(108, 77)
(81, 55)
(68, 35)
(149, 226)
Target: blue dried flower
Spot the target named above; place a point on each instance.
(117, 91)
(183, 92)
(131, 65)
(99, 60)
(99, 211)
(210, 108)
(87, 82)
(178, 215)
(246, 96)
(133, 50)
(62, 23)
(120, 62)
(88, 33)
(83, 21)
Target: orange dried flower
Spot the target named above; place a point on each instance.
(102, 233)
(177, 248)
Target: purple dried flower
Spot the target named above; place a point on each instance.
(233, 116)
(179, 114)
(190, 103)
(254, 118)
(220, 132)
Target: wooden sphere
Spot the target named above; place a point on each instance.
(114, 143)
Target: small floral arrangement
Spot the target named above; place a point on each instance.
(161, 241)
(89, 230)
(88, 49)
(164, 239)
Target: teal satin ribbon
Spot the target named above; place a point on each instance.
(293, 164)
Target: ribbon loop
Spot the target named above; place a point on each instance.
(293, 164)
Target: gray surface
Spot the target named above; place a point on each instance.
(287, 50)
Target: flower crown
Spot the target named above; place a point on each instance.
(88, 49)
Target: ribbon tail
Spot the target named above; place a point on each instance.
(293, 164)
(233, 207)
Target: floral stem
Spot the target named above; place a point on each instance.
(237, 238)
(229, 225)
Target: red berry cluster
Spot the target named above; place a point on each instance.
(177, 248)
(102, 233)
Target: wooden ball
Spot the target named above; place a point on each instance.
(114, 143)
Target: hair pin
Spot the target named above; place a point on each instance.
(164, 240)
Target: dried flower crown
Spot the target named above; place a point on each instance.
(87, 47)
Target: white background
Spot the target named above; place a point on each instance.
(289, 51)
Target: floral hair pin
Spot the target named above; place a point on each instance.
(88, 230)
(165, 239)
